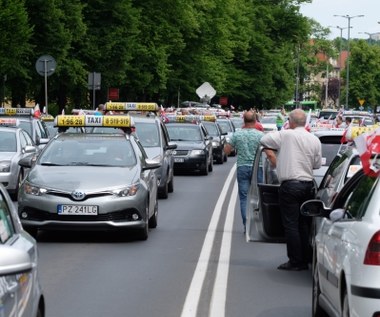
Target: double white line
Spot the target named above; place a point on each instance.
(219, 294)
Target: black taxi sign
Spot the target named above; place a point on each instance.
(16, 111)
(93, 121)
(131, 106)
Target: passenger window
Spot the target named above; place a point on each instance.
(6, 226)
(23, 140)
(359, 198)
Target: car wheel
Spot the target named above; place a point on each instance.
(225, 157)
(317, 309)
(163, 193)
(20, 178)
(205, 169)
(33, 231)
(211, 165)
(144, 232)
(153, 219)
(171, 185)
(346, 306)
(220, 159)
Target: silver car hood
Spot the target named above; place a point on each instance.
(87, 178)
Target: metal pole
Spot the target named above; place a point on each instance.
(46, 94)
(297, 77)
(93, 90)
(327, 84)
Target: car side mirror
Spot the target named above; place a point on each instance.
(171, 146)
(314, 208)
(29, 149)
(27, 162)
(14, 261)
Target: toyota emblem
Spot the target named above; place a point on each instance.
(78, 195)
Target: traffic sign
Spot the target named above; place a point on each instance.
(361, 101)
(205, 91)
(45, 65)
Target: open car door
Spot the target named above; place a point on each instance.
(263, 211)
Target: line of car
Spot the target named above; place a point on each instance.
(345, 232)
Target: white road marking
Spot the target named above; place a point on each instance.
(193, 295)
(219, 293)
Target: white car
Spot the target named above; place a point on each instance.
(269, 123)
(346, 252)
(20, 290)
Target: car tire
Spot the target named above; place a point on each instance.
(225, 157)
(163, 193)
(204, 170)
(20, 178)
(220, 159)
(153, 219)
(346, 306)
(33, 231)
(143, 233)
(171, 185)
(211, 164)
(317, 310)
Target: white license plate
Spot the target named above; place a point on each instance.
(77, 210)
(179, 160)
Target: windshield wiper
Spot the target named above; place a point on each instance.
(51, 164)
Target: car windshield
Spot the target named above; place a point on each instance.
(268, 119)
(8, 141)
(225, 126)
(184, 132)
(211, 128)
(328, 115)
(147, 132)
(89, 151)
(27, 126)
(238, 122)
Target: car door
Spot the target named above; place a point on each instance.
(336, 239)
(208, 143)
(17, 291)
(263, 210)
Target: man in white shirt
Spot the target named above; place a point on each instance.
(298, 153)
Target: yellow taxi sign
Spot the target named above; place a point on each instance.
(47, 117)
(93, 121)
(16, 111)
(131, 106)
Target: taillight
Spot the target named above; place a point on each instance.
(372, 255)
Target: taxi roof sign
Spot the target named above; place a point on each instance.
(131, 106)
(47, 117)
(93, 121)
(190, 118)
(8, 122)
(16, 111)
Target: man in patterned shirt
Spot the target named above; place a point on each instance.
(245, 141)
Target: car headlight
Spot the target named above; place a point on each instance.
(197, 152)
(228, 139)
(5, 166)
(215, 143)
(126, 191)
(33, 189)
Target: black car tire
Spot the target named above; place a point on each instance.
(317, 310)
(225, 157)
(220, 158)
(153, 219)
(211, 164)
(20, 178)
(163, 193)
(33, 231)
(171, 185)
(143, 233)
(204, 170)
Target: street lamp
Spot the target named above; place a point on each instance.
(340, 56)
(369, 35)
(348, 51)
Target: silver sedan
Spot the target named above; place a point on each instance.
(90, 182)
(15, 144)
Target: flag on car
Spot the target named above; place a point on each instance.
(37, 111)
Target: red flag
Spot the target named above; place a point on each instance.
(37, 111)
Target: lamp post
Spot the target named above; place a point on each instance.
(348, 17)
(369, 35)
(340, 57)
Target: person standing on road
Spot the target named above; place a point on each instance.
(280, 119)
(245, 141)
(298, 153)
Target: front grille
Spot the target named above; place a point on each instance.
(181, 152)
(121, 216)
(68, 195)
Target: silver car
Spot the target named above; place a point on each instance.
(155, 139)
(20, 291)
(15, 144)
(90, 182)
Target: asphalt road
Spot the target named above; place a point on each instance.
(195, 263)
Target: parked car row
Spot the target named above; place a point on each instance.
(345, 235)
